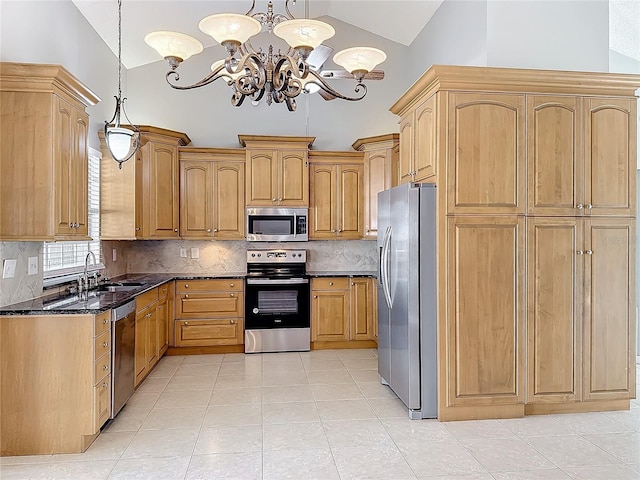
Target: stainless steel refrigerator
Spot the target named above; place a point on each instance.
(407, 296)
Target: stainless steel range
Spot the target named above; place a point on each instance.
(277, 316)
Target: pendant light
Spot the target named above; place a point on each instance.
(122, 142)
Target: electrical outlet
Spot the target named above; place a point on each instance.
(114, 254)
(183, 253)
(33, 266)
(195, 253)
(9, 268)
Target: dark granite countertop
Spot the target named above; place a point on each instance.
(94, 301)
(338, 273)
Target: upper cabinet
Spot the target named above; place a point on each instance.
(141, 200)
(44, 157)
(277, 170)
(212, 193)
(380, 161)
(336, 207)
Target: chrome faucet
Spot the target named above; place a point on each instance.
(85, 276)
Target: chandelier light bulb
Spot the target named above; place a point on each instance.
(173, 44)
(230, 27)
(304, 32)
(359, 59)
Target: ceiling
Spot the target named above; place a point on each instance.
(397, 20)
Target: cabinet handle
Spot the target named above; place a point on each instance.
(105, 321)
(70, 225)
(579, 252)
(589, 252)
(105, 367)
(589, 206)
(105, 344)
(579, 206)
(331, 284)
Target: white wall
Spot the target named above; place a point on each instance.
(207, 116)
(56, 32)
(563, 35)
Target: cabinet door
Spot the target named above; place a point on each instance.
(555, 166)
(349, 201)
(405, 162)
(554, 320)
(209, 304)
(228, 203)
(322, 221)
(363, 309)
(262, 178)
(485, 311)
(486, 153)
(152, 337)
(293, 178)
(101, 403)
(142, 332)
(610, 156)
(425, 140)
(80, 173)
(162, 326)
(609, 329)
(377, 178)
(161, 208)
(196, 195)
(330, 315)
(64, 176)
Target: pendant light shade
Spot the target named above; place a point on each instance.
(230, 27)
(359, 59)
(119, 141)
(304, 32)
(173, 44)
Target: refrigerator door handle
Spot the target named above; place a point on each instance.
(384, 266)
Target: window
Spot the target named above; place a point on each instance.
(64, 258)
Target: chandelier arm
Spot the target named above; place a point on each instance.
(253, 4)
(286, 8)
(286, 78)
(320, 82)
(212, 77)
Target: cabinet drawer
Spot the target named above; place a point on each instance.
(102, 323)
(146, 298)
(204, 305)
(102, 403)
(330, 283)
(102, 367)
(224, 284)
(101, 345)
(196, 333)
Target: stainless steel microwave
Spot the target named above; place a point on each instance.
(277, 224)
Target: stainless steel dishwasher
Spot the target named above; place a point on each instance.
(123, 337)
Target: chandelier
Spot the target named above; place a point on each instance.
(256, 74)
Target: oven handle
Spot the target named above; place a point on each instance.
(282, 281)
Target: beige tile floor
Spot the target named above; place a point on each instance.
(324, 415)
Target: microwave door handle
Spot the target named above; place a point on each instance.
(295, 225)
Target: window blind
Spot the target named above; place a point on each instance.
(64, 258)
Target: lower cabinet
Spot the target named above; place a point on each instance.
(579, 336)
(56, 397)
(342, 309)
(152, 329)
(209, 312)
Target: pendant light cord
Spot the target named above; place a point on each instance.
(119, 49)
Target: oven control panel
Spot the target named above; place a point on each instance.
(276, 256)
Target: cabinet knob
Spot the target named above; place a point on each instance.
(579, 206)
(105, 367)
(186, 285)
(186, 323)
(353, 283)
(274, 199)
(105, 385)
(579, 252)
(589, 206)
(70, 225)
(105, 344)
(105, 321)
(232, 322)
(589, 252)
(231, 284)
(315, 296)
(175, 230)
(215, 229)
(339, 230)
(231, 294)
(280, 199)
(330, 284)
(186, 296)
(137, 229)
(209, 230)
(333, 231)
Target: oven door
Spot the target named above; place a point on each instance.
(277, 303)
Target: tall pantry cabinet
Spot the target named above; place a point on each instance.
(536, 209)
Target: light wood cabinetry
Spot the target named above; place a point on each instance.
(57, 400)
(380, 159)
(277, 170)
(141, 200)
(43, 156)
(209, 312)
(212, 193)
(146, 340)
(336, 194)
(419, 130)
(342, 309)
(554, 151)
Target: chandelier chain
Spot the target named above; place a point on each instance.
(119, 48)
